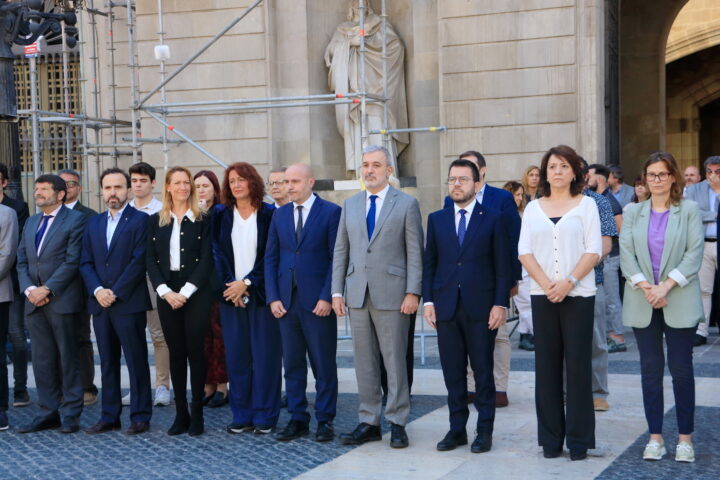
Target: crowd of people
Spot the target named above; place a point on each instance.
(244, 289)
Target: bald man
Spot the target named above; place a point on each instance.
(300, 252)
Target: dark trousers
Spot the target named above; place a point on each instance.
(409, 358)
(18, 339)
(184, 330)
(117, 334)
(652, 366)
(564, 333)
(253, 357)
(4, 322)
(85, 350)
(459, 339)
(55, 362)
(305, 334)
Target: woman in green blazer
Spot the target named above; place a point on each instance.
(661, 248)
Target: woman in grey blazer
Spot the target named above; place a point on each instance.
(661, 249)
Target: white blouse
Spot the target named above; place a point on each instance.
(558, 247)
(244, 242)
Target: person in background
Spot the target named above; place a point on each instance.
(662, 252)
(640, 190)
(622, 192)
(85, 346)
(692, 176)
(216, 389)
(531, 183)
(16, 331)
(8, 250)
(278, 187)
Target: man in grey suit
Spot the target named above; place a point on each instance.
(707, 195)
(622, 192)
(377, 265)
(8, 248)
(48, 271)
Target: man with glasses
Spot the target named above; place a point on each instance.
(278, 188)
(706, 194)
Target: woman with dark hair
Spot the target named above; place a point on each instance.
(661, 250)
(252, 334)
(178, 263)
(216, 394)
(559, 245)
(641, 190)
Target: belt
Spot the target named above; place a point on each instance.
(713, 240)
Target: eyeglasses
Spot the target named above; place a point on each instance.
(654, 177)
(710, 171)
(72, 184)
(462, 180)
(278, 183)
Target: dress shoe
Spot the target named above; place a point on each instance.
(40, 423)
(452, 440)
(21, 398)
(89, 398)
(102, 426)
(578, 455)
(699, 340)
(70, 425)
(549, 452)
(137, 428)
(240, 428)
(283, 401)
(363, 433)
(398, 436)
(218, 400)
(471, 397)
(501, 399)
(197, 421)
(600, 404)
(206, 399)
(482, 443)
(182, 419)
(526, 342)
(4, 425)
(294, 429)
(325, 432)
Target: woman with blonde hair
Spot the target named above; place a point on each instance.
(179, 262)
(531, 183)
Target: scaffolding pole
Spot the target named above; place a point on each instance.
(133, 76)
(363, 81)
(385, 126)
(113, 84)
(163, 92)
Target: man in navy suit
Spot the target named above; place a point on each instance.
(113, 268)
(467, 275)
(299, 252)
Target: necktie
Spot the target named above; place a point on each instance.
(371, 216)
(462, 227)
(41, 231)
(299, 227)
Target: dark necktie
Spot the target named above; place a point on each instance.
(371, 216)
(41, 231)
(462, 227)
(299, 227)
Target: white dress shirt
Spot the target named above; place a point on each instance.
(558, 247)
(468, 213)
(378, 201)
(151, 208)
(244, 243)
(50, 221)
(112, 224)
(71, 205)
(711, 228)
(305, 210)
(188, 289)
(481, 194)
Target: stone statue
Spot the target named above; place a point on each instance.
(342, 57)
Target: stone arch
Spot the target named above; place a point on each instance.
(693, 40)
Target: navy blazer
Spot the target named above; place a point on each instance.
(121, 267)
(224, 256)
(481, 267)
(503, 201)
(310, 260)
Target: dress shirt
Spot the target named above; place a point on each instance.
(112, 224)
(305, 210)
(244, 242)
(71, 205)
(188, 289)
(378, 201)
(53, 216)
(151, 208)
(558, 247)
(711, 227)
(468, 213)
(480, 194)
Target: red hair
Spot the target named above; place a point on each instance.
(255, 185)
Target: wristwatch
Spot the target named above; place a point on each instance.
(573, 280)
(247, 281)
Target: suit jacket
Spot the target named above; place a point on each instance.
(121, 267)
(480, 268)
(195, 251)
(8, 250)
(681, 260)
(699, 193)
(503, 201)
(222, 250)
(86, 211)
(310, 260)
(625, 195)
(57, 266)
(22, 212)
(389, 265)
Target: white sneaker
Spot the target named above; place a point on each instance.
(685, 452)
(654, 450)
(162, 396)
(126, 399)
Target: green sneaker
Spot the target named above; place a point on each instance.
(685, 452)
(654, 450)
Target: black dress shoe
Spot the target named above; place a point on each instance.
(40, 423)
(452, 440)
(137, 428)
(70, 425)
(363, 433)
(325, 432)
(578, 454)
(102, 426)
(294, 429)
(206, 399)
(218, 400)
(398, 436)
(551, 452)
(482, 443)
(699, 340)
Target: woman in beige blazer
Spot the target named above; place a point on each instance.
(661, 248)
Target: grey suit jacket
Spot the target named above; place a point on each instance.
(57, 266)
(626, 194)
(700, 194)
(389, 265)
(8, 250)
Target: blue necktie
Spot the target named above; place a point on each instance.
(462, 227)
(371, 216)
(41, 232)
